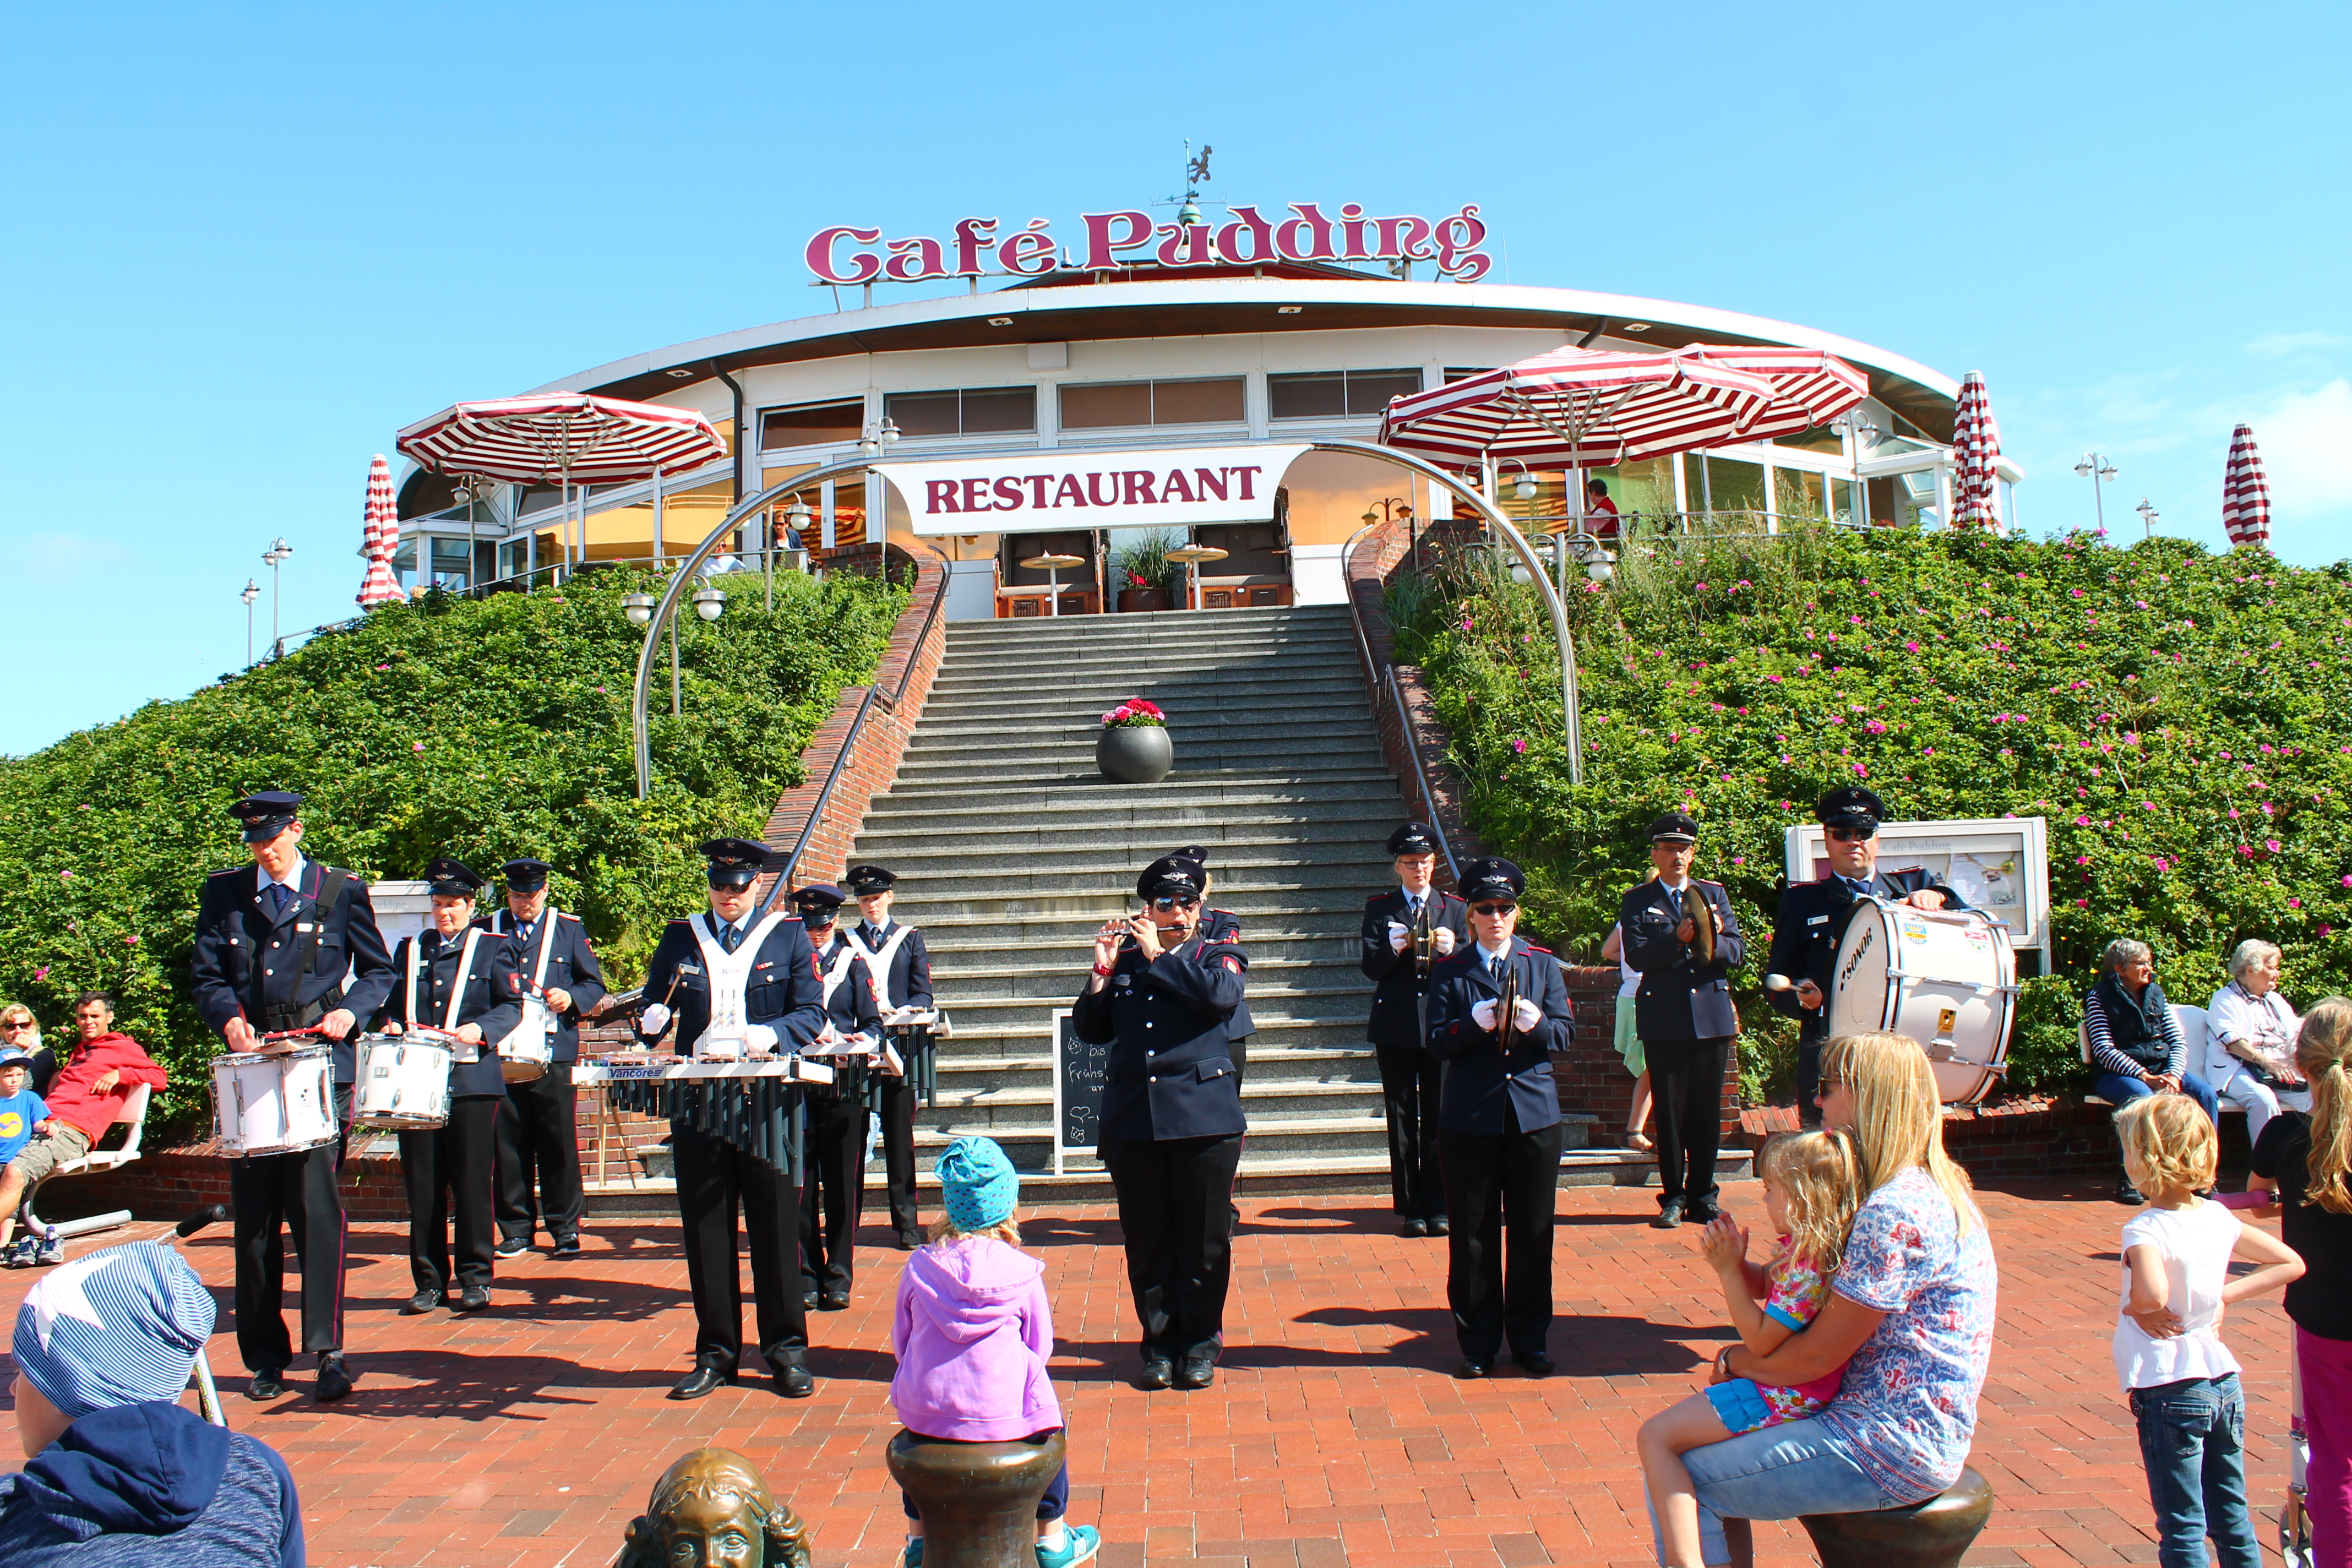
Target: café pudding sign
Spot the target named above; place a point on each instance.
(986, 247)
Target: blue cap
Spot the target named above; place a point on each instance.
(15, 1055)
(120, 1326)
(735, 862)
(978, 1183)
(267, 813)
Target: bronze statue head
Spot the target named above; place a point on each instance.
(712, 1510)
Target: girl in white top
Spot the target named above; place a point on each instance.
(2182, 1380)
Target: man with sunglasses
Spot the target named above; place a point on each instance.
(1398, 1025)
(1813, 916)
(833, 1160)
(1498, 1138)
(1163, 997)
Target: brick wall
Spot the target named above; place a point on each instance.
(1591, 1076)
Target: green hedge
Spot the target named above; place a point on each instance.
(483, 729)
(2179, 717)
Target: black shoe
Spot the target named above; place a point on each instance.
(1472, 1369)
(808, 1300)
(566, 1246)
(908, 1240)
(1233, 1228)
(473, 1299)
(833, 1301)
(1669, 1215)
(1701, 1213)
(705, 1378)
(1159, 1372)
(2127, 1193)
(1414, 1227)
(334, 1378)
(793, 1381)
(1440, 1225)
(1534, 1363)
(1198, 1369)
(266, 1385)
(512, 1246)
(424, 1301)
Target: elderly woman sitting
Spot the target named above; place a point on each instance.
(2250, 1032)
(2137, 1046)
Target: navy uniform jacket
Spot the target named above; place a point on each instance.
(1812, 920)
(248, 964)
(572, 967)
(851, 1009)
(1167, 1023)
(1398, 989)
(783, 991)
(1478, 1078)
(489, 1000)
(1679, 999)
(1225, 926)
(908, 984)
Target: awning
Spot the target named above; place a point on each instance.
(1037, 492)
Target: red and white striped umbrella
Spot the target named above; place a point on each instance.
(569, 436)
(380, 539)
(1580, 408)
(1809, 388)
(2246, 492)
(1975, 444)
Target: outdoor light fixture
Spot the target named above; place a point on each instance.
(999, 320)
(2148, 515)
(870, 445)
(639, 606)
(1286, 310)
(1637, 326)
(2094, 467)
(681, 374)
(252, 591)
(1595, 558)
(796, 517)
(710, 603)
(276, 556)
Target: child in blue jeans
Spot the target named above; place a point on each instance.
(20, 1110)
(2182, 1380)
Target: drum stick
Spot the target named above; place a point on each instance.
(1779, 982)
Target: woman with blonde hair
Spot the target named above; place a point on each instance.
(1909, 1315)
(2306, 1161)
(20, 1028)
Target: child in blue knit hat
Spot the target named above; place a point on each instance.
(972, 1330)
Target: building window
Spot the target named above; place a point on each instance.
(964, 411)
(1820, 439)
(1337, 394)
(812, 424)
(1096, 405)
(1455, 372)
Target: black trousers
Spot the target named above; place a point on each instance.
(538, 1146)
(833, 1185)
(1175, 1213)
(1499, 1287)
(1686, 1084)
(897, 1110)
(274, 1196)
(1809, 1079)
(714, 1178)
(449, 1171)
(1410, 1080)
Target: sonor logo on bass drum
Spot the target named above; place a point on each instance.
(1869, 940)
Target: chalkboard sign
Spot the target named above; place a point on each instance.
(1080, 1070)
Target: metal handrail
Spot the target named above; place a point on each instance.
(1375, 669)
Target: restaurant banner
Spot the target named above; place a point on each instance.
(1177, 488)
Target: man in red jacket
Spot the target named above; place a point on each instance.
(84, 1099)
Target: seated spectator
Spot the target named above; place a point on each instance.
(84, 1099)
(103, 1350)
(20, 1028)
(2136, 1045)
(21, 1111)
(1600, 511)
(2250, 1039)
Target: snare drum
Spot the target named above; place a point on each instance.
(274, 1102)
(1947, 980)
(519, 1062)
(403, 1085)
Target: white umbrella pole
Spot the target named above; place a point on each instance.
(657, 519)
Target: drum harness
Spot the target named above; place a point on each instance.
(457, 992)
(285, 1017)
(919, 1066)
(537, 1018)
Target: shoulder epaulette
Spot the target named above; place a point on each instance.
(1375, 898)
(232, 871)
(563, 916)
(684, 921)
(1545, 951)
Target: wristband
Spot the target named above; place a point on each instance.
(1104, 970)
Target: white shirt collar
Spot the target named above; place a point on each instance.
(1410, 897)
(291, 882)
(1491, 953)
(1681, 886)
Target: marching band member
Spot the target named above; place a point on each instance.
(1499, 1129)
(833, 1161)
(1683, 1011)
(901, 967)
(457, 978)
(1398, 1029)
(1222, 925)
(274, 941)
(759, 978)
(1812, 920)
(1163, 997)
(538, 1129)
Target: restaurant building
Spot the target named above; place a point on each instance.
(1052, 358)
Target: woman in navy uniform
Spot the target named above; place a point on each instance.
(1499, 1128)
(1163, 997)
(1222, 925)
(1813, 915)
(832, 1158)
(1683, 1012)
(780, 1002)
(901, 966)
(275, 940)
(459, 977)
(1398, 1028)
(538, 1127)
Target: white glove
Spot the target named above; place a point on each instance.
(1524, 1015)
(1483, 1015)
(1443, 940)
(762, 1038)
(1399, 938)
(653, 1021)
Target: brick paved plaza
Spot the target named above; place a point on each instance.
(1334, 1434)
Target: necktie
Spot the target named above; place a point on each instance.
(1412, 908)
(730, 937)
(279, 896)
(1494, 964)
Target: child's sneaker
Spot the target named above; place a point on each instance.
(52, 1249)
(913, 1558)
(1079, 1544)
(20, 1252)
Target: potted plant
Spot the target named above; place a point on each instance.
(1147, 577)
(1134, 746)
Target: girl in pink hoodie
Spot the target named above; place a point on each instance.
(972, 1330)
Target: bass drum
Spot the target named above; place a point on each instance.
(1947, 980)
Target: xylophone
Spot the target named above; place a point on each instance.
(754, 1105)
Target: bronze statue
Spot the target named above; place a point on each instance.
(712, 1510)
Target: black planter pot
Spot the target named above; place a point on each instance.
(1132, 600)
(1135, 753)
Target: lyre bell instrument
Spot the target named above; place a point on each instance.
(1425, 938)
(1506, 1005)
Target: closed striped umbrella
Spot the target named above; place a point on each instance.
(380, 538)
(1809, 388)
(1976, 446)
(2246, 492)
(1580, 408)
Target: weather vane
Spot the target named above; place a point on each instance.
(1196, 172)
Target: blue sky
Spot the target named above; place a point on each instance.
(249, 242)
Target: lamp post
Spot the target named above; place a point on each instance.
(2094, 467)
(1391, 508)
(2148, 515)
(252, 591)
(276, 555)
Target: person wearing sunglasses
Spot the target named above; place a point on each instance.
(1812, 921)
(1163, 997)
(1498, 1124)
(20, 1029)
(832, 1162)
